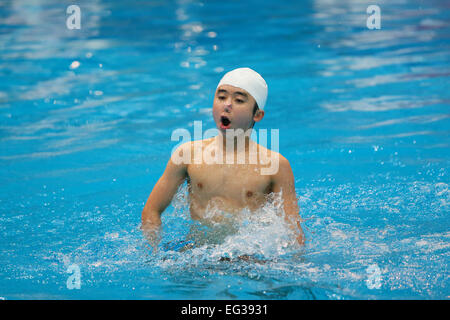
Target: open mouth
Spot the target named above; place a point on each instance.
(225, 122)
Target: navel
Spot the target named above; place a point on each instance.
(200, 185)
(249, 194)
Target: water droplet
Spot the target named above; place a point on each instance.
(74, 65)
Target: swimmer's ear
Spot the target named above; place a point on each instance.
(259, 115)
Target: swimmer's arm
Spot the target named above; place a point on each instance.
(284, 181)
(160, 198)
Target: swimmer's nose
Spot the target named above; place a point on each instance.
(227, 107)
(227, 104)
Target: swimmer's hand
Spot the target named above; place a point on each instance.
(300, 235)
(152, 233)
(293, 222)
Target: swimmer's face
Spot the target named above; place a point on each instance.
(233, 109)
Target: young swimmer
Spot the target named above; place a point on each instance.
(238, 174)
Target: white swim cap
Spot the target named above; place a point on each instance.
(249, 80)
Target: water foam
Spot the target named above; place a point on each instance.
(258, 236)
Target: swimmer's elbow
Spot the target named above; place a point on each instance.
(150, 218)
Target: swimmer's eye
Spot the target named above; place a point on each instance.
(239, 101)
(221, 97)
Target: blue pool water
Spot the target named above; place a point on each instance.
(86, 118)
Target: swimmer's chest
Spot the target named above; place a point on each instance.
(217, 179)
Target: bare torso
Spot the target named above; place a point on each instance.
(223, 188)
(215, 188)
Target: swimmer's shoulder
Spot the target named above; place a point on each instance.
(192, 144)
(185, 152)
(283, 162)
(182, 155)
(272, 154)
